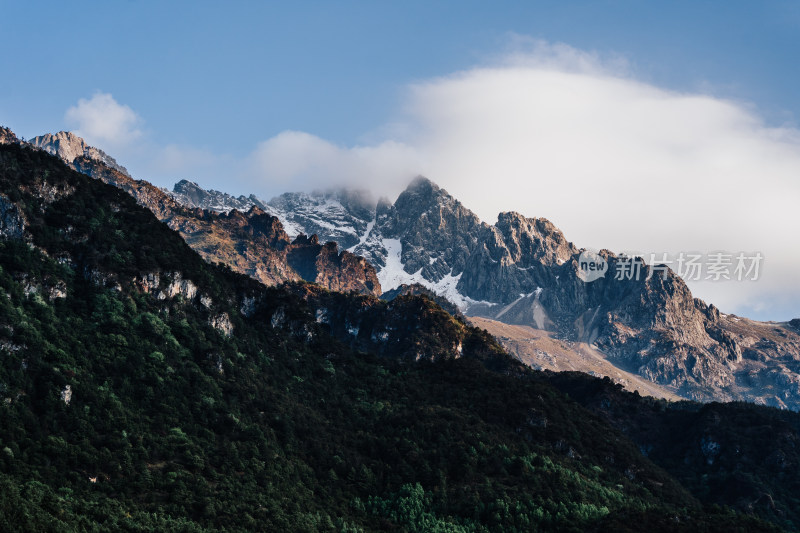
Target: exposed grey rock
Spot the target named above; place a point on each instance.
(7, 136)
(66, 394)
(341, 216)
(12, 223)
(438, 234)
(186, 288)
(222, 323)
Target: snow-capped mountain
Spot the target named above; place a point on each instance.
(339, 215)
(524, 271)
(518, 271)
(426, 237)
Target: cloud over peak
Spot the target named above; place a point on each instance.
(102, 121)
(301, 161)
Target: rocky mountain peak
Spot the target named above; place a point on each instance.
(340, 215)
(436, 232)
(63, 144)
(424, 203)
(70, 147)
(421, 184)
(421, 194)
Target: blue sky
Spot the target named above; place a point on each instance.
(634, 126)
(227, 73)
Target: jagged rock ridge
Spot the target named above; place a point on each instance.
(253, 243)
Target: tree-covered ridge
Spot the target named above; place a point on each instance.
(142, 389)
(737, 454)
(99, 233)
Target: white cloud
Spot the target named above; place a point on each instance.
(102, 121)
(114, 127)
(296, 160)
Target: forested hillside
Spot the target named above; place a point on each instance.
(142, 389)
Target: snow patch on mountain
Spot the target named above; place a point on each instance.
(537, 292)
(393, 274)
(446, 287)
(363, 239)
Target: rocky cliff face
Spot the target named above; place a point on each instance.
(252, 243)
(437, 234)
(7, 136)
